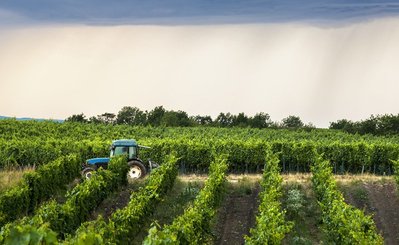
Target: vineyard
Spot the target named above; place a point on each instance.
(52, 204)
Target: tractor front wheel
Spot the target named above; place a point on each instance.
(136, 170)
(87, 173)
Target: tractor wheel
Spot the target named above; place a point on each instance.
(87, 173)
(136, 170)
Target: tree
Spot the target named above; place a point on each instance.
(340, 124)
(94, 120)
(155, 116)
(309, 127)
(378, 125)
(368, 126)
(131, 116)
(292, 122)
(241, 120)
(175, 119)
(184, 119)
(202, 120)
(388, 124)
(107, 118)
(224, 120)
(260, 120)
(77, 118)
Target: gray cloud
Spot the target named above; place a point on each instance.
(196, 11)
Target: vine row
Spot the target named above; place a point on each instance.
(193, 227)
(37, 187)
(342, 223)
(271, 226)
(125, 223)
(63, 219)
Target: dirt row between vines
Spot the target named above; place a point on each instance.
(237, 213)
(376, 195)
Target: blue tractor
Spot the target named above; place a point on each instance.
(137, 168)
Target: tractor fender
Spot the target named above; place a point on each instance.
(97, 161)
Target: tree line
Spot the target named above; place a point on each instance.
(387, 124)
(159, 116)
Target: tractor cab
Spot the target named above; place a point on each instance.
(125, 147)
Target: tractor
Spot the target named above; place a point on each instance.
(137, 168)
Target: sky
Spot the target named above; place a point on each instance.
(320, 60)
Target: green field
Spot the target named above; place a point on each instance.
(214, 186)
(36, 143)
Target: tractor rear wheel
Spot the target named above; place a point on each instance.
(136, 170)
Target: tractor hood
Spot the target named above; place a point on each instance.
(97, 160)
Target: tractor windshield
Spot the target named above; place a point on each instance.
(120, 150)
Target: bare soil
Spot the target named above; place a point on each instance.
(375, 195)
(385, 201)
(117, 200)
(380, 199)
(237, 216)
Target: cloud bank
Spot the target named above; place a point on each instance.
(318, 73)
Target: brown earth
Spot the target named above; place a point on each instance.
(380, 199)
(376, 195)
(237, 216)
(117, 200)
(385, 202)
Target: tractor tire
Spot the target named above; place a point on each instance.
(87, 173)
(136, 170)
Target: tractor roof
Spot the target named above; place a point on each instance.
(124, 143)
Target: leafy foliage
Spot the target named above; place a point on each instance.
(126, 222)
(77, 118)
(28, 234)
(36, 151)
(46, 143)
(271, 226)
(342, 223)
(131, 116)
(193, 227)
(81, 201)
(387, 124)
(396, 169)
(26, 143)
(292, 122)
(37, 187)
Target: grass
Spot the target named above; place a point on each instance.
(11, 177)
(354, 191)
(242, 184)
(301, 208)
(362, 177)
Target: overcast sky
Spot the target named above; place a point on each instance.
(323, 60)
